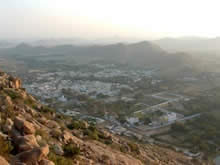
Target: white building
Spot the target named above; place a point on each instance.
(171, 116)
(132, 120)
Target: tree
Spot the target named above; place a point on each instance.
(178, 127)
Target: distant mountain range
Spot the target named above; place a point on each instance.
(181, 44)
(190, 44)
(6, 44)
(141, 53)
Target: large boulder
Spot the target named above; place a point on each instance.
(9, 122)
(33, 156)
(52, 124)
(6, 128)
(46, 162)
(42, 120)
(58, 149)
(56, 133)
(25, 143)
(30, 110)
(8, 125)
(8, 102)
(3, 161)
(24, 126)
(69, 138)
(14, 82)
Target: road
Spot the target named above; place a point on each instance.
(158, 106)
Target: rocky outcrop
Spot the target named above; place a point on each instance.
(69, 138)
(33, 156)
(58, 149)
(3, 161)
(24, 126)
(8, 125)
(14, 82)
(7, 81)
(108, 156)
(52, 124)
(24, 143)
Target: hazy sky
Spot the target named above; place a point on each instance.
(106, 18)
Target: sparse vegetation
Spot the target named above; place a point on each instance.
(71, 150)
(133, 147)
(91, 134)
(42, 133)
(60, 160)
(5, 147)
(12, 94)
(178, 127)
(76, 124)
(30, 102)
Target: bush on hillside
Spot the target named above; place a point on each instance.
(71, 150)
(76, 125)
(5, 147)
(60, 160)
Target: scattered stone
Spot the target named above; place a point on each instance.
(38, 138)
(46, 162)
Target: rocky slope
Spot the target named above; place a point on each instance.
(33, 134)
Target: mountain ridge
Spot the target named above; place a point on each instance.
(141, 53)
(190, 44)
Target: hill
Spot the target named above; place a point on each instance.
(139, 54)
(34, 134)
(190, 44)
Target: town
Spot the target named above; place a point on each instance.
(146, 106)
(139, 103)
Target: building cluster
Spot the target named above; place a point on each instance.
(50, 85)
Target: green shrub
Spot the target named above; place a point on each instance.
(178, 127)
(30, 102)
(47, 109)
(71, 150)
(133, 147)
(104, 139)
(76, 125)
(12, 94)
(123, 149)
(48, 112)
(5, 147)
(91, 134)
(92, 128)
(108, 141)
(56, 133)
(42, 133)
(59, 160)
